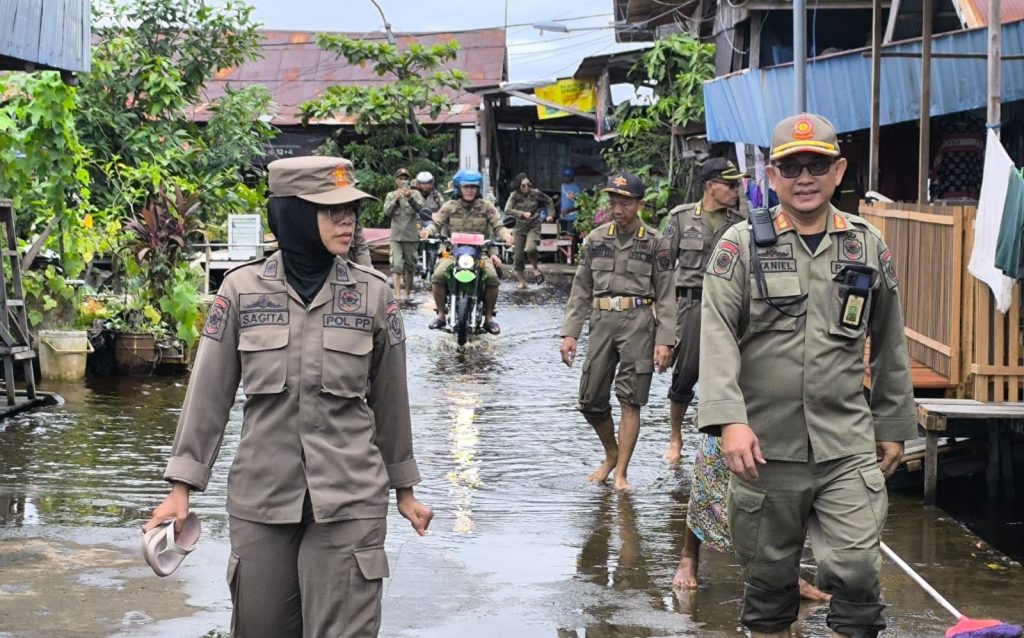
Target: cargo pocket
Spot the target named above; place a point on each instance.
(643, 372)
(784, 290)
(745, 508)
(602, 269)
(264, 364)
(364, 598)
(233, 587)
(346, 361)
(583, 398)
(640, 282)
(878, 498)
(837, 306)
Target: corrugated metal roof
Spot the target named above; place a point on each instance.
(295, 70)
(744, 106)
(48, 33)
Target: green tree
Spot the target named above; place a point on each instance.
(385, 114)
(151, 62)
(674, 70)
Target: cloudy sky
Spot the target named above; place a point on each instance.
(531, 54)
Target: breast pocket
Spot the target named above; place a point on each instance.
(602, 269)
(783, 291)
(839, 310)
(264, 359)
(639, 281)
(346, 363)
(690, 253)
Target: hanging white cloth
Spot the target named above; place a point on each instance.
(994, 183)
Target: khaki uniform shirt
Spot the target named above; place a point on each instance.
(403, 212)
(530, 202)
(326, 402)
(798, 381)
(692, 239)
(639, 267)
(479, 216)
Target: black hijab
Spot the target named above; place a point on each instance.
(306, 261)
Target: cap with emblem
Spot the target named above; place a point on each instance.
(720, 168)
(804, 133)
(626, 184)
(321, 180)
(403, 172)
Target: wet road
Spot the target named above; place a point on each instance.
(521, 544)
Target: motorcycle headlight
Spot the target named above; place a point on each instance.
(465, 262)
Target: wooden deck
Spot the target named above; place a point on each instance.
(921, 376)
(976, 419)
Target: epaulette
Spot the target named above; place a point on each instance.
(368, 269)
(653, 231)
(601, 230)
(682, 208)
(857, 220)
(248, 263)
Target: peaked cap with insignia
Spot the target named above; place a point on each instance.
(326, 181)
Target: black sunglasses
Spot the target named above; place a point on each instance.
(816, 167)
(338, 212)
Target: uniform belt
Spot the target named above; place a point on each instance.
(694, 294)
(621, 303)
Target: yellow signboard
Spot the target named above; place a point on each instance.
(580, 95)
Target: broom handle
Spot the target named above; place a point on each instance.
(919, 580)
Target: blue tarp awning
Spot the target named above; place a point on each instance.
(744, 106)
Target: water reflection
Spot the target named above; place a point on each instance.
(522, 545)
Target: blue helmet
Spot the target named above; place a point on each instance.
(467, 177)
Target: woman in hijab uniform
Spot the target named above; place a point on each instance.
(319, 346)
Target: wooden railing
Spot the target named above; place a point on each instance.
(952, 325)
(928, 259)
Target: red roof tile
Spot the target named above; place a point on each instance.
(295, 70)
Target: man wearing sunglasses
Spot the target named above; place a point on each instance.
(693, 231)
(784, 321)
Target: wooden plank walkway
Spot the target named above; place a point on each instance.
(940, 418)
(921, 376)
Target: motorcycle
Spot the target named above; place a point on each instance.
(428, 248)
(465, 302)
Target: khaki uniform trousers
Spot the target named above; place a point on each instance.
(443, 264)
(314, 580)
(526, 242)
(620, 353)
(687, 352)
(768, 521)
(403, 256)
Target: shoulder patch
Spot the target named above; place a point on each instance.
(396, 327)
(723, 262)
(663, 260)
(888, 269)
(670, 230)
(217, 320)
(368, 270)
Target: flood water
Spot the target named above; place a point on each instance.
(521, 545)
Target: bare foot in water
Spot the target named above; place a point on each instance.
(812, 593)
(622, 484)
(674, 451)
(601, 474)
(686, 575)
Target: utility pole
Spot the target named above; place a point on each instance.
(800, 54)
(994, 71)
(876, 93)
(924, 136)
(401, 74)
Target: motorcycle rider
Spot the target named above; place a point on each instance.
(468, 213)
(432, 200)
